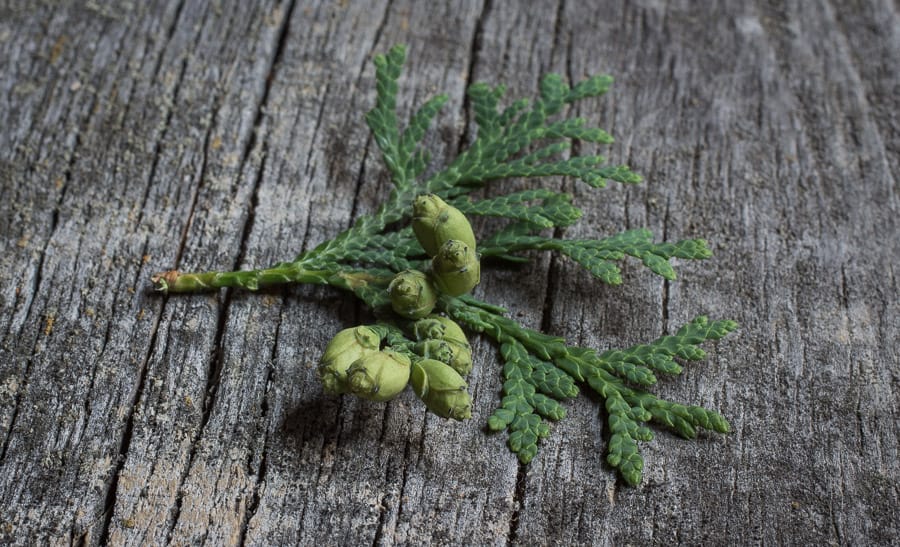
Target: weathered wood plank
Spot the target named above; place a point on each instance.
(78, 327)
(753, 194)
(204, 135)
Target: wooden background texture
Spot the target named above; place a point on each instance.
(140, 136)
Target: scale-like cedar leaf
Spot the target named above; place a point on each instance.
(597, 255)
(552, 209)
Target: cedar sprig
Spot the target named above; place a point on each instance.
(525, 139)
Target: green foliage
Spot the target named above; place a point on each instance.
(597, 255)
(531, 390)
(618, 376)
(553, 208)
(524, 139)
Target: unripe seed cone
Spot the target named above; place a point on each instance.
(461, 361)
(435, 222)
(442, 389)
(458, 356)
(346, 347)
(412, 294)
(379, 376)
(428, 328)
(434, 349)
(453, 338)
(456, 268)
(452, 331)
(441, 328)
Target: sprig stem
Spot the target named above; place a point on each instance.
(364, 284)
(285, 272)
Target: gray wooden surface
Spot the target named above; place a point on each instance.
(139, 136)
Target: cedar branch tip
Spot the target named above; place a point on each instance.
(164, 280)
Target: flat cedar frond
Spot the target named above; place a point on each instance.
(551, 210)
(598, 255)
(380, 256)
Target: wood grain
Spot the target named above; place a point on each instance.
(138, 137)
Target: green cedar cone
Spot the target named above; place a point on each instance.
(435, 222)
(346, 347)
(442, 389)
(441, 328)
(458, 356)
(456, 268)
(412, 294)
(379, 376)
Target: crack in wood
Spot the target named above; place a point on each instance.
(215, 369)
(559, 16)
(39, 272)
(64, 183)
(260, 471)
(127, 434)
(124, 445)
(856, 64)
(512, 535)
(475, 49)
(364, 66)
(169, 106)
